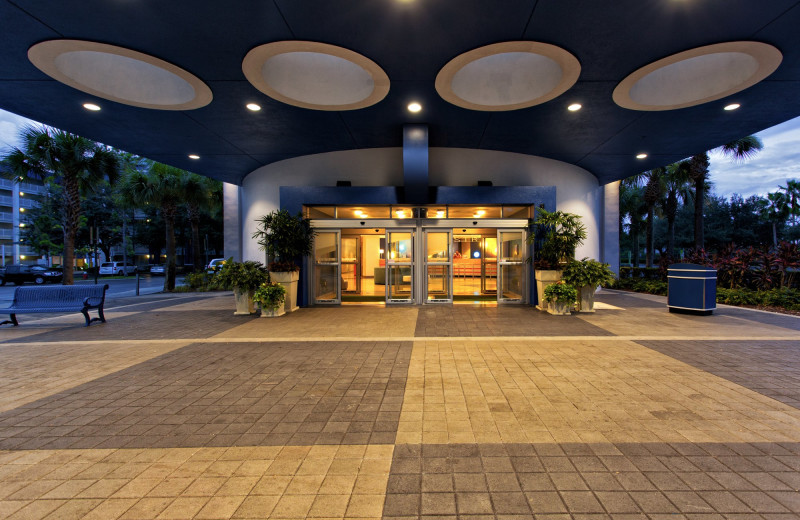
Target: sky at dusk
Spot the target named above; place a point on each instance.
(778, 161)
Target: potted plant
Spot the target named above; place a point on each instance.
(270, 297)
(286, 239)
(244, 278)
(560, 297)
(561, 234)
(586, 275)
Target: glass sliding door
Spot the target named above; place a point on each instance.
(511, 266)
(438, 266)
(400, 266)
(327, 267)
(351, 265)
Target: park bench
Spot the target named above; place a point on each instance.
(62, 298)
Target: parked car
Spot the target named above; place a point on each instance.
(117, 268)
(158, 270)
(19, 274)
(215, 265)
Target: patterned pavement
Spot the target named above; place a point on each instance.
(175, 408)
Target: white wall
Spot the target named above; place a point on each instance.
(577, 190)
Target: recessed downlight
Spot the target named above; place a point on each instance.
(574, 107)
(194, 156)
(732, 106)
(253, 107)
(91, 106)
(414, 107)
(641, 156)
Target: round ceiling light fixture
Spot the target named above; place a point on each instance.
(507, 76)
(119, 74)
(91, 107)
(414, 107)
(315, 75)
(253, 107)
(574, 107)
(697, 76)
(194, 156)
(641, 156)
(732, 106)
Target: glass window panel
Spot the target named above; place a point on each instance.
(402, 212)
(516, 211)
(326, 282)
(513, 282)
(511, 249)
(362, 212)
(438, 282)
(438, 247)
(326, 248)
(473, 211)
(320, 212)
(400, 248)
(399, 282)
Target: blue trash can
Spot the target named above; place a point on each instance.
(692, 289)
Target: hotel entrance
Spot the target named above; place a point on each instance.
(418, 260)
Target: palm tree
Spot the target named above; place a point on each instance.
(632, 207)
(161, 186)
(676, 184)
(78, 164)
(199, 194)
(792, 193)
(776, 210)
(738, 150)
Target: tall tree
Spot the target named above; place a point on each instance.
(199, 196)
(738, 150)
(776, 211)
(792, 194)
(77, 164)
(161, 186)
(631, 208)
(676, 185)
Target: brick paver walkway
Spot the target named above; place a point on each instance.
(177, 409)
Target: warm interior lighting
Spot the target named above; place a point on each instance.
(414, 107)
(641, 156)
(91, 106)
(253, 107)
(194, 156)
(400, 213)
(732, 106)
(440, 214)
(574, 107)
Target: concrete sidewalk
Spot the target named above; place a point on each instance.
(175, 408)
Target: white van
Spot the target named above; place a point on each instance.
(117, 268)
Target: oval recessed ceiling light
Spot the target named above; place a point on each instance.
(91, 106)
(641, 156)
(697, 76)
(194, 156)
(315, 75)
(732, 106)
(574, 107)
(120, 74)
(253, 107)
(507, 76)
(414, 107)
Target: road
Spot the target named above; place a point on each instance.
(117, 288)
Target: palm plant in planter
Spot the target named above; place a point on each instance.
(270, 297)
(586, 275)
(286, 239)
(563, 233)
(560, 297)
(244, 278)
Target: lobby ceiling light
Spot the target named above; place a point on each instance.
(574, 107)
(414, 107)
(253, 107)
(732, 106)
(194, 156)
(91, 106)
(641, 156)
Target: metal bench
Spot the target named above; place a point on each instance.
(62, 298)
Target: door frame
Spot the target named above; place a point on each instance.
(425, 263)
(413, 266)
(337, 263)
(501, 263)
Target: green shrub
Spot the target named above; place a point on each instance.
(560, 292)
(245, 276)
(579, 273)
(270, 295)
(202, 282)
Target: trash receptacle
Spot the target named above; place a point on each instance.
(692, 289)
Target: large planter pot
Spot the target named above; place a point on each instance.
(558, 308)
(272, 313)
(543, 279)
(586, 298)
(288, 279)
(244, 302)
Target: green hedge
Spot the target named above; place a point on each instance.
(786, 298)
(646, 273)
(643, 286)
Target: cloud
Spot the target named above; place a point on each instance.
(777, 162)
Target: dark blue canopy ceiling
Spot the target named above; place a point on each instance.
(411, 41)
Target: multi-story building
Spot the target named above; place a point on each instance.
(15, 199)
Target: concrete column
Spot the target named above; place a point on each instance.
(609, 245)
(232, 220)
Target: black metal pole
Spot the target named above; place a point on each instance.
(137, 283)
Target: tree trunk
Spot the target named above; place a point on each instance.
(649, 245)
(197, 254)
(72, 215)
(635, 244)
(169, 272)
(671, 236)
(775, 234)
(699, 198)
